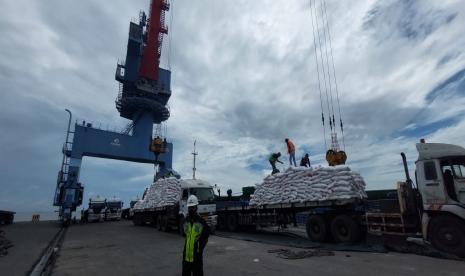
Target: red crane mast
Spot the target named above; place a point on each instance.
(154, 38)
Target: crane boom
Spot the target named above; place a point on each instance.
(153, 40)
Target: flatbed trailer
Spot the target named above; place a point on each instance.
(344, 215)
(164, 218)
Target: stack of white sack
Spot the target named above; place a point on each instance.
(300, 184)
(164, 192)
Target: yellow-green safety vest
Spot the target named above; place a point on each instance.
(193, 232)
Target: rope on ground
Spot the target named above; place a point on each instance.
(294, 255)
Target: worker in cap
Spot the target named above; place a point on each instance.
(291, 151)
(273, 159)
(196, 231)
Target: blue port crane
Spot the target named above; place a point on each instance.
(144, 91)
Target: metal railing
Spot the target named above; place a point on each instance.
(100, 126)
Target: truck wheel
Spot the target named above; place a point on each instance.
(232, 223)
(345, 229)
(316, 228)
(447, 234)
(153, 221)
(221, 222)
(165, 224)
(159, 222)
(136, 220)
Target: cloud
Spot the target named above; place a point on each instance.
(243, 78)
(405, 19)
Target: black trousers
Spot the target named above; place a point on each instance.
(273, 166)
(193, 269)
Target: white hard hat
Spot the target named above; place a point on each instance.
(192, 201)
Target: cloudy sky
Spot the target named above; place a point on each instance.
(244, 77)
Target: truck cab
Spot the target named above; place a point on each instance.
(440, 175)
(113, 209)
(131, 207)
(207, 203)
(97, 208)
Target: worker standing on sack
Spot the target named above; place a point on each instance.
(291, 151)
(197, 232)
(273, 159)
(305, 161)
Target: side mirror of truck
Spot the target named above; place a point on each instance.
(80, 193)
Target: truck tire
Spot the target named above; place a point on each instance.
(165, 227)
(221, 221)
(153, 222)
(345, 229)
(317, 229)
(136, 220)
(447, 234)
(159, 222)
(232, 223)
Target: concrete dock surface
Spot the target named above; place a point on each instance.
(29, 241)
(119, 248)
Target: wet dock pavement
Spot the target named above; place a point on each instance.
(119, 248)
(29, 241)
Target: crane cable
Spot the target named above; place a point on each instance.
(170, 34)
(327, 78)
(319, 81)
(323, 67)
(334, 74)
(327, 67)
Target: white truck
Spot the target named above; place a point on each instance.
(97, 209)
(440, 177)
(113, 209)
(435, 206)
(172, 216)
(131, 208)
(128, 213)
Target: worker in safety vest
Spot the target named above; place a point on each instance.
(273, 159)
(291, 151)
(197, 232)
